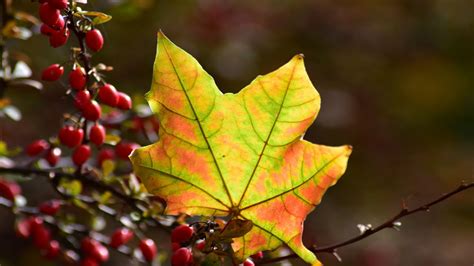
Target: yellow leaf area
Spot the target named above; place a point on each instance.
(239, 155)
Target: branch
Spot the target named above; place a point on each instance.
(390, 223)
(88, 180)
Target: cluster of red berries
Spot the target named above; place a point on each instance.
(86, 99)
(95, 253)
(55, 26)
(34, 227)
(183, 235)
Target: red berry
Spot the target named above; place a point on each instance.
(94, 40)
(92, 111)
(59, 25)
(35, 223)
(89, 262)
(248, 262)
(124, 101)
(83, 97)
(87, 244)
(124, 149)
(70, 136)
(201, 245)
(108, 95)
(52, 73)
(105, 154)
(182, 257)
(48, 14)
(41, 237)
(46, 30)
(120, 237)
(9, 189)
(58, 4)
(81, 154)
(257, 256)
(50, 207)
(148, 249)
(37, 147)
(23, 228)
(182, 233)
(59, 38)
(77, 78)
(175, 246)
(52, 157)
(93, 249)
(100, 253)
(52, 250)
(97, 134)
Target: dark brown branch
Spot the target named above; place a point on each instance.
(390, 223)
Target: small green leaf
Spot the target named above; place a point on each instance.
(108, 167)
(72, 187)
(112, 139)
(97, 17)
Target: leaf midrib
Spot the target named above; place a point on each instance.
(269, 134)
(199, 124)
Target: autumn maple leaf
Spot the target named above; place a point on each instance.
(238, 155)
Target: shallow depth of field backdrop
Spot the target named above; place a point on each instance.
(396, 79)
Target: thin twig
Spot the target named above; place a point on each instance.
(390, 223)
(88, 180)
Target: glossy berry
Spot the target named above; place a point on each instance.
(148, 249)
(9, 189)
(201, 245)
(37, 147)
(52, 250)
(59, 25)
(120, 237)
(257, 256)
(94, 40)
(108, 95)
(105, 154)
(70, 136)
(100, 253)
(58, 4)
(89, 262)
(95, 250)
(46, 30)
(182, 257)
(23, 228)
(248, 262)
(92, 111)
(77, 78)
(48, 14)
(124, 149)
(35, 223)
(52, 73)
(82, 98)
(41, 237)
(50, 207)
(182, 233)
(53, 155)
(124, 102)
(81, 154)
(59, 38)
(97, 134)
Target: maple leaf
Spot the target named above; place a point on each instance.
(238, 155)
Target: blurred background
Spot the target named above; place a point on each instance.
(396, 79)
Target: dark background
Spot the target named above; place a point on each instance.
(396, 79)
